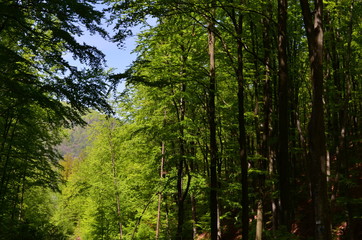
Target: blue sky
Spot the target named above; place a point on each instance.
(117, 58)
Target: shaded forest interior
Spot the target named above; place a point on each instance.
(239, 119)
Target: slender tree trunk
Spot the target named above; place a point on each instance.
(158, 226)
(180, 201)
(7, 125)
(237, 20)
(194, 216)
(345, 132)
(4, 177)
(118, 202)
(259, 221)
(273, 148)
(317, 142)
(181, 165)
(167, 219)
(23, 185)
(192, 196)
(336, 120)
(114, 171)
(283, 128)
(257, 77)
(242, 134)
(212, 130)
(158, 215)
(180, 168)
(259, 181)
(266, 133)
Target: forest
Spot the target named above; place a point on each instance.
(239, 119)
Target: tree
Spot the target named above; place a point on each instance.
(26, 166)
(283, 127)
(41, 91)
(214, 212)
(314, 31)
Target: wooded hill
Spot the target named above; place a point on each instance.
(238, 120)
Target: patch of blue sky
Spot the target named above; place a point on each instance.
(118, 59)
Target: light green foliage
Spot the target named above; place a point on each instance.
(90, 195)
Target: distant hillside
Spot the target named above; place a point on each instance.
(77, 139)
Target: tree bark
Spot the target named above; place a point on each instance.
(180, 170)
(212, 129)
(258, 150)
(242, 134)
(160, 194)
(259, 221)
(192, 196)
(181, 195)
(283, 128)
(4, 177)
(114, 171)
(317, 142)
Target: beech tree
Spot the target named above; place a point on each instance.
(314, 31)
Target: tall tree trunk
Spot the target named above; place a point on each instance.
(23, 187)
(260, 179)
(345, 130)
(194, 216)
(237, 19)
(283, 128)
(192, 196)
(4, 177)
(180, 169)
(242, 134)
(114, 171)
(181, 194)
(212, 129)
(158, 226)
(267, 100)
(259, 221)
(6, 128)
(314, 30)
(336, 120)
